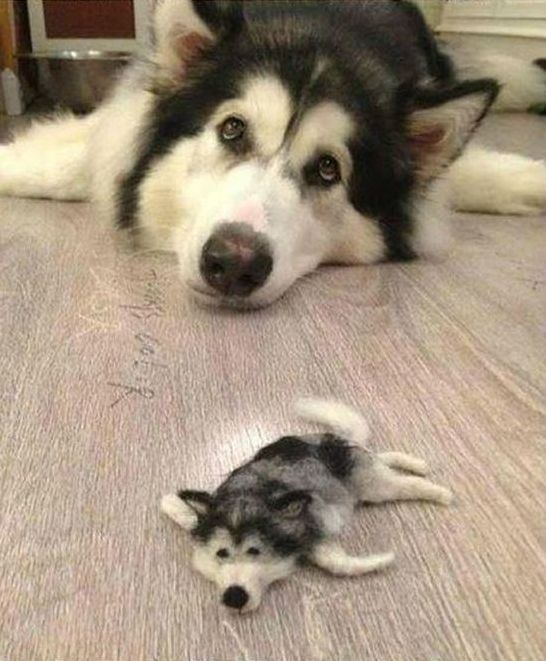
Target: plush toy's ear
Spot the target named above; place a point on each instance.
(183, 29)
(186, 507)
(290, 505)
(198, 501)
(442, 121)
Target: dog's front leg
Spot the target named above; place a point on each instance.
(49, 160)
(331, 557)
(486, 181)
(177, 510)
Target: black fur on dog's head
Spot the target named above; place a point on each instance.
(248, 538)
(278, 517)
(348, 115)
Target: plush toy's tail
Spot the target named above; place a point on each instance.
(342, 419)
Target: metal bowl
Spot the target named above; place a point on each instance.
(78, 80)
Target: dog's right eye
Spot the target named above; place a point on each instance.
(232, 129)
(328, 170)
(324, 171)
(222, 553)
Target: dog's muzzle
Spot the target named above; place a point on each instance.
(236, 260)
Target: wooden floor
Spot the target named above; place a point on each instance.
(115, 390)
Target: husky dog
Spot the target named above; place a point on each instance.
(288, 503)
(258, 140)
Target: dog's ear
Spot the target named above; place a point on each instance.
(184, 29)
(290, 505)
(441, 121)
(199, 501)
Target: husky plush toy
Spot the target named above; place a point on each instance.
(288, 503)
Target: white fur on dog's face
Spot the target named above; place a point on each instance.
(200, 186)
(250, 571)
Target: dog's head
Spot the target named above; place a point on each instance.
(244, 542)
(285, 136)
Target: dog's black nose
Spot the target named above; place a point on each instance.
(236, 260)
(235, 597)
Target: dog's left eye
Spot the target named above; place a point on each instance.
(253, 551)
(328, 170)
(232, 129)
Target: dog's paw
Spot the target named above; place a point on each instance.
(419, 467)
(491, 182)
(444, 496)
(524, 187)
(405, 462)
(177, 510)
(379, 561)
(368, 563)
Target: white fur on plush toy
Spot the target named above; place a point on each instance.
(290, 502)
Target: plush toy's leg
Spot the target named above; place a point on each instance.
(176, 509)
(331, 557)
(379, 483)
(404, 462)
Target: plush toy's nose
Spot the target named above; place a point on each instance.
(235, 597)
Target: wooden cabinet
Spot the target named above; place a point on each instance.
(113, 25)
(89, 19)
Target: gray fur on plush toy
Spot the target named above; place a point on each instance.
(288, 504)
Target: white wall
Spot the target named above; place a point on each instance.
(515, 27)
(432, 9)
(518, 18)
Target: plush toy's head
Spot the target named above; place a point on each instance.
(244, 544)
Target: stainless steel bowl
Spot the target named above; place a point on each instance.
(78, 80)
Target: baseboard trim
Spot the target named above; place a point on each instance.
(522, 47)
(527, 28)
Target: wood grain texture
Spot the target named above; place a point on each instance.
(448, 360)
